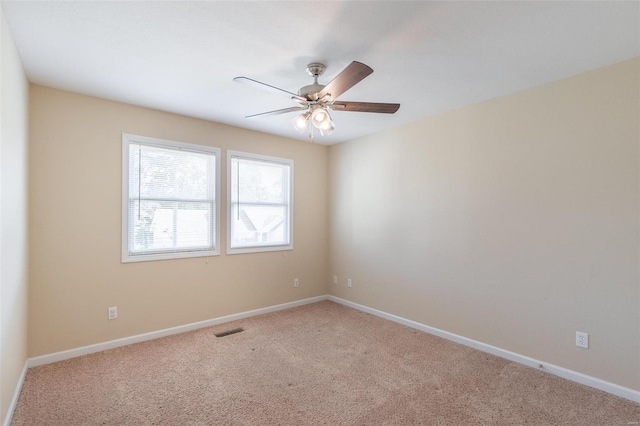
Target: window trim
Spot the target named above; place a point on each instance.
(127, 140)
(260, 248)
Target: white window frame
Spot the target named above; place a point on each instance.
(127, 140)
(258, 248)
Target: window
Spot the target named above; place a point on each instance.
(170, 207)
(260, 203)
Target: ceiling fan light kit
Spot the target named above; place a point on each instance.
(315, 100)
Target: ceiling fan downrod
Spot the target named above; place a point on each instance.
(315, 70)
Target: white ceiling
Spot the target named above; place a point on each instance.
(431, 57)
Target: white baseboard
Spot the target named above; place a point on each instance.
(565, 373)
(16, 394)
(99, 347)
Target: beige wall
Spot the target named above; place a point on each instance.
(514, 222)
(75, 228)
(14, 94)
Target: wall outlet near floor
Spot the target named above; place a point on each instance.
(349, 284)
(335, 279)
(113, 312)
(296, 283)
(582, 339)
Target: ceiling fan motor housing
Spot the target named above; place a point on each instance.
(310, 90)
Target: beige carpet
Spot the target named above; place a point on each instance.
(320, 364)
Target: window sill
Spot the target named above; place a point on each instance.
(259, 249)
(127, 258)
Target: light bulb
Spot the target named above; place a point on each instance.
(327, 127)
(301, 121)
(319, 116)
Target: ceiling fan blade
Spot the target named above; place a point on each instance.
(270, 88)
(365, 107)
(353, 74)
(278, 112)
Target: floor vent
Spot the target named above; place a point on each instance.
(228, 332)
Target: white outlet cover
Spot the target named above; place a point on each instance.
(113, 312)
(349, 284)
(582, 339)
(296, 283)
(335, 279)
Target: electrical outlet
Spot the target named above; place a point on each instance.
(113, 312)
(335, 279)
(296, 283)
(349, 284)
(582, 339)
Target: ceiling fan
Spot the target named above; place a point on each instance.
(315, 100)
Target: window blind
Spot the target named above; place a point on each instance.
(171, 196)
(260, 211)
